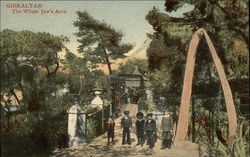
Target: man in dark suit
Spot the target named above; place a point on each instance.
(150, 128)
(167, 129)
(126, 124)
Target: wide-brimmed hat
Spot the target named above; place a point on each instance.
(139, 115)
(126, 112)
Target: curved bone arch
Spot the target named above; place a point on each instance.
(182, 127)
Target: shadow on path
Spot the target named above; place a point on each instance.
(99, 148)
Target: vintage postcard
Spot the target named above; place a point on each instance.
(116, 78)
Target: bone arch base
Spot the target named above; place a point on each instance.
(182, 127)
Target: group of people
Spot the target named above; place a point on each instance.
(145, 129)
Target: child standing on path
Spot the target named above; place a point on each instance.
(150, 127)
(140, 124)
(126, 124)
(111, 129)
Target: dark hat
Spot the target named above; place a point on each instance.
(150, 114)
(126, 112)
(139, 115)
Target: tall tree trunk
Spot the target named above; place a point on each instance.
(106, 54)
(182, 127)
(107, 60)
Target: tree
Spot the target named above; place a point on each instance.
(28, 60)
(30, 65)
(99, 40)
(129, 66)
(227, 25)
(215, 17)
(83, 77)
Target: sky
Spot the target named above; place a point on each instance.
(126, 16)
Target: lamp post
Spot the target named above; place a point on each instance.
(111, 102)
(77, 98)
(97, 102)
(111, 89)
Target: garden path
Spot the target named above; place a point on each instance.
(99, 148)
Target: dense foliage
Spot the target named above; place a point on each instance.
(34, 74)
(45, 85)
(30, 73)
(226, 22)
(83, 77)
(130, 66)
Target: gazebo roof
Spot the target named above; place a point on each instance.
(133, 80)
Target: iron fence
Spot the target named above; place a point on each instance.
(94, 122)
